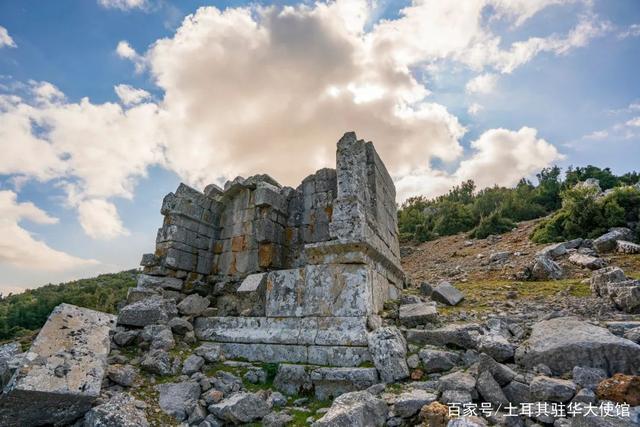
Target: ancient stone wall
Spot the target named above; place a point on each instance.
(294, 275)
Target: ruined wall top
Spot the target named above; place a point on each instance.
(255, 224)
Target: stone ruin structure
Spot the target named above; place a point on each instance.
(293, 275)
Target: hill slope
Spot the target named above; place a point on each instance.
(24, 313)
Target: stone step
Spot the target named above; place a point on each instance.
(303, 354)
(323, 331)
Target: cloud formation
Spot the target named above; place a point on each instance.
(482, 84)
(123, 4)
(21, 249)
(271, 89)
(5, 38)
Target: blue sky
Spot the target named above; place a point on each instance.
(490, 90)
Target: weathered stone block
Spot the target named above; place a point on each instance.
(63, 370)
(332, 382)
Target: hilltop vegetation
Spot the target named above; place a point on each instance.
(575, 211)
(23, 313)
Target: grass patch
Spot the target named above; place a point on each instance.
(300, 417)
(481, 296)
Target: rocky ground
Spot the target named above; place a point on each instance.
(518, 334)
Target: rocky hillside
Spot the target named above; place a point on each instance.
(495, 331)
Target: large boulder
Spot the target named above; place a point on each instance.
(608, 241)
(240, 408)
(121, 410)
(389, 353)
(148, 311)
(63, 371)
(355, 409)
(565, 342)
(625, 295)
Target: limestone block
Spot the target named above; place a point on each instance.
(332, 382)
(146, 281)
(338, 355)
(418, 313)
(63, 371)
(253, 282)
(337, 290)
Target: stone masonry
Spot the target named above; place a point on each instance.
(293, 275)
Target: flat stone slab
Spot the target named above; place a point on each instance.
(63, 371)
(302, 354)
(346, 331)
(566, 342)
(446, 293)
(415, 314)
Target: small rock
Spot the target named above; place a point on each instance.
(292, 379)
(435, 414)
(192, 364)
(447, 294)
(193, 305)
(588, 377)
(210, 351)
(157, 362)
(408, 404)
(276, 399)
(389, 352)
(499, 256)
(467, 422)
(620, 388)
(496, 346)
(124, 375)
(608, 241)
(175, 398)
(240, 408)
(413, 361)
(587, 261)
(552, 389)
(121, 410)
(437, 360)
(457, 381)
(546, 269)
(517, 393)
(626, 247)
(358, 408)
(416, 314)
(417, 374)
(276, 419)
(152, 310)
(426, 289)
(490, 390)
(180, 326)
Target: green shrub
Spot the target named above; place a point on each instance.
(492, 224)
(584, 214)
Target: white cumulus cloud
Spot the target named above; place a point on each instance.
(100, 219)
(123, 4)
(482, 84)
(130, 95)
(5, 39)
(271, 89)
(20, 248)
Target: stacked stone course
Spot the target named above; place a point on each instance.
(294, 275)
